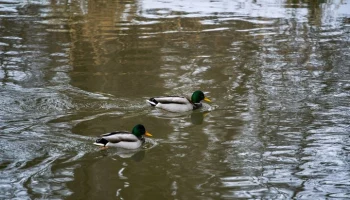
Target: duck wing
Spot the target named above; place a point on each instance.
(119, 136)
(168, 99)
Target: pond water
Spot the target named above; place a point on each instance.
(277, 72)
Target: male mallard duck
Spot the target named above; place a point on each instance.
(179, 103)
(124, 139)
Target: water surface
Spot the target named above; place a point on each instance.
(277, 73)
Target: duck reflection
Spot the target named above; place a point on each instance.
(136, 155)
(197, 118)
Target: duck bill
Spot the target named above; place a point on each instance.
(206, 99)
(148, 134)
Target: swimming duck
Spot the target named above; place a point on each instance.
(179, 103)
(124, 139)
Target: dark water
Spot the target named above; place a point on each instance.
(278, 73)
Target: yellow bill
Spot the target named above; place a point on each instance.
(206, 99)
(148, 134)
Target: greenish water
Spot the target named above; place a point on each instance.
(277, 72)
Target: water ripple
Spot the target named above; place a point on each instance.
(277, 73)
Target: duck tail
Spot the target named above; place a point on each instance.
(152, 101)
(101, 142)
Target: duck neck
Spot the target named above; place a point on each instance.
(197, 105)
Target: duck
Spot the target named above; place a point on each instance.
(124, 139)
(179, 103)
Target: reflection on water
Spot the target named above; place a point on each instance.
(277, 72)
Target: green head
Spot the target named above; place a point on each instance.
(198, 96)
(140, 130)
